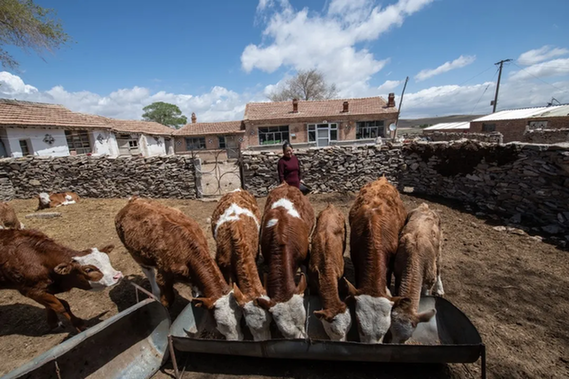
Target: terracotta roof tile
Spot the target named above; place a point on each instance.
(205, 128)
(24, 113)
(140, 126)
(321, 108)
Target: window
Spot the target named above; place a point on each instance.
(488, 127)
(24, 147)
(221, 142)
(370, 129)
(312, 131)
(133, 144)
(273, 135)
(78, 141)
(533, 125)
(195, 143)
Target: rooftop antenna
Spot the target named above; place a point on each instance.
(495, 102)
(552, 100)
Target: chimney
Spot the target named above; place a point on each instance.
(391, 100)
(346, 105)
(294, 105)
(194, 118)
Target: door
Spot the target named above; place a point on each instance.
(323, 135)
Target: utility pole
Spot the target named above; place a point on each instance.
(495, 102)
(399, 110)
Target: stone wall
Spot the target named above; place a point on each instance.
(546, 136)
(494, 137)
(528, 183)
(99, 177)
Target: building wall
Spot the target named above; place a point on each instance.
(152, 145)
(107, 145)
(513, 130)
(37, 146)
(299, 127)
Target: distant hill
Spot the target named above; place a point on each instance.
(415, 123)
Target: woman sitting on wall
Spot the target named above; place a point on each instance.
(288, 168)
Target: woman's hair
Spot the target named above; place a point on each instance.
(286, 145)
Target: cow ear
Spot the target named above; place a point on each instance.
(263, 303)
(301, 287)
(426, 316)
(63, 268)
(205, 302)
(107, 249)
(324, 314)
(239, 297)
(351, 289)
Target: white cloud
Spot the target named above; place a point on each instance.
(326, 40)
(542, 54)
(220, 104)
(445, 67)
(556, 67)
(388, 85)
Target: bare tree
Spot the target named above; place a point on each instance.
(306, 85)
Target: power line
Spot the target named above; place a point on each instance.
(538, 78)
(485, 89)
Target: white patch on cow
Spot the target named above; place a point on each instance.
(1, 227)
(401, 327)
(290, 317)
(338, 329)
(227, 314)
(150, 274)
(438, 288)
(67, 202)
(44, 198)
(236, 190)
(258, 320)
(68, 198)
(272, 222)
(103, 263)
(22, 226)
(233, 213)
(374, 317)
(288, 205)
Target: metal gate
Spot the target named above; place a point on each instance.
(217, 171)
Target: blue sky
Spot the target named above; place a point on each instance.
(213, 57)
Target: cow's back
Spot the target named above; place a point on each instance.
(329, 243)
(300, 202)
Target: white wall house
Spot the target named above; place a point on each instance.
(34, 141)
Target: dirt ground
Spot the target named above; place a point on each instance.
(513, 287)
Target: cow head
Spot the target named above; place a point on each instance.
(91, 271)
(290, 316)
(227, 314)
(404, 319)
(257, 318)
(336, 322)
(373, 315)
(44, 200)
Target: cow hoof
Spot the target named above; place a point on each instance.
(57, 326)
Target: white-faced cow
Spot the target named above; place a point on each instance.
(170, 247)
(54, 200)
(326, 268)
(8, 218)
(39, 268)
(235, 227)
(376, 218)
(287, 223)
(417, 269)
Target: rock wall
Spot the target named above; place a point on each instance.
(494, 137)
(99, 177)
(546, 136)
(527, 183)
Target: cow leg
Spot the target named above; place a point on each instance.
(150, 273)
(56, 305)
(52, 319)
(438, 287)
(166, 283)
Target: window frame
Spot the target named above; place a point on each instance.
(487, 127)
(270, 131)
(27, 147)
(219, 142)
(312, 128)
(365, 129)
(191, 145)
(78, 141)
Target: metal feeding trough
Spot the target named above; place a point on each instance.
(131, 344)
(449, 337)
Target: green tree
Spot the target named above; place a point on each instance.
(306, 85)
(165, 114)
(28, 26)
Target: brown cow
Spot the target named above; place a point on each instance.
(39, 268)
(171, 247)
(235, 227)
(8, 218)
(417, 267)
(376, 218)
(287, 223)
(326, 267)
(54, 200)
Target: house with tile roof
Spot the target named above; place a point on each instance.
(318, 123)
(209, 138)
(29, 128)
